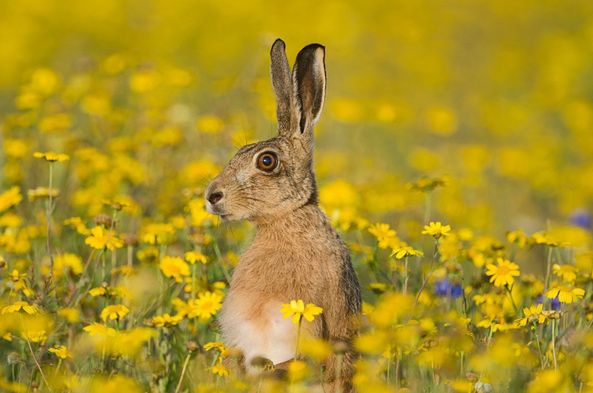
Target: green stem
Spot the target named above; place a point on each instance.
(548, 269)
(405, 289)
(48, 214)
(427, 206)
(509, 291)
(539, 348)
(431, 271)
(489, 337)
(554, 332)
(298, 338)
(397, 365)
(193, 281)
(103, 267)
(182, 372)
(130, 255)
(38, 365)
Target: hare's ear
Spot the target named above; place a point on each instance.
(280, 70)
(308, 78)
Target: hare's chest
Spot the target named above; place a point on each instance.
(257, 328)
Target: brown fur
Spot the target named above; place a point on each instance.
(296, 254)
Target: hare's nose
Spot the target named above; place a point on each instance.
(215, 197)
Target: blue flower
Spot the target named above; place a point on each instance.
(456, 291)
(445, 288)
(554, 303)
(581, 218)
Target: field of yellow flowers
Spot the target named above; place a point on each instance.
(454, 155)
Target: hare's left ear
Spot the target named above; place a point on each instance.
(308, 78)
(282, 84)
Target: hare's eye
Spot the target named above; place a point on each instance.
(267, 161)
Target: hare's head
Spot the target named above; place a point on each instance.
(270, 178)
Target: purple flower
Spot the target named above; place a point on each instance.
(445, 288)
(554, 303)
(581, 218)
(456, 291)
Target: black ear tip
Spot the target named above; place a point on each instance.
(278, 43)
(310, 49)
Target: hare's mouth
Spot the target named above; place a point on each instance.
(213, 210)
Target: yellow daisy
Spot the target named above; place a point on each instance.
(503, 272)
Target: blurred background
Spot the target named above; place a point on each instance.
(489, 100)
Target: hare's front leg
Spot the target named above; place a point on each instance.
(256, 327)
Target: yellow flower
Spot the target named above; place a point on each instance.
(205, 306)
(198, 214)
(18, 306)
(112, 384)
(97, 329)
(519, 237)
(165, 320)
(51, 156)
(15, 148)
(114, 312)
(427, 184)
(10, 220)
(71, 314)
(10, 198)
(19, 282)
(378, 287)
(442, 120)
(35, 336)
(195, 256)
(566, 294)
(461, 385)
(101, 238)
(209, 124)
(15, 275)
(532, 314)
(142, 81)
(566, 272)
(60, 351)
(503, 273)
(495, 326)
(98, 291)
(297, 370)
(76, 223)
(405, 251)
(315, 348)
(182, 308)
(298, 310)
(66, 261)
(550, 381)
(55, 122)
(219, 368)
(42, 192)
(386, 237)
(123, 270)
(544, 238)
(436, 230)
(215, 345)
(174, 267)
(156, 233)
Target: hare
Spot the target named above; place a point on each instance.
(296, 254)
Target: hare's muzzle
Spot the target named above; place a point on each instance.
(214, 197)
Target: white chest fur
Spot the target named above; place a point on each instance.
(257, 328)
